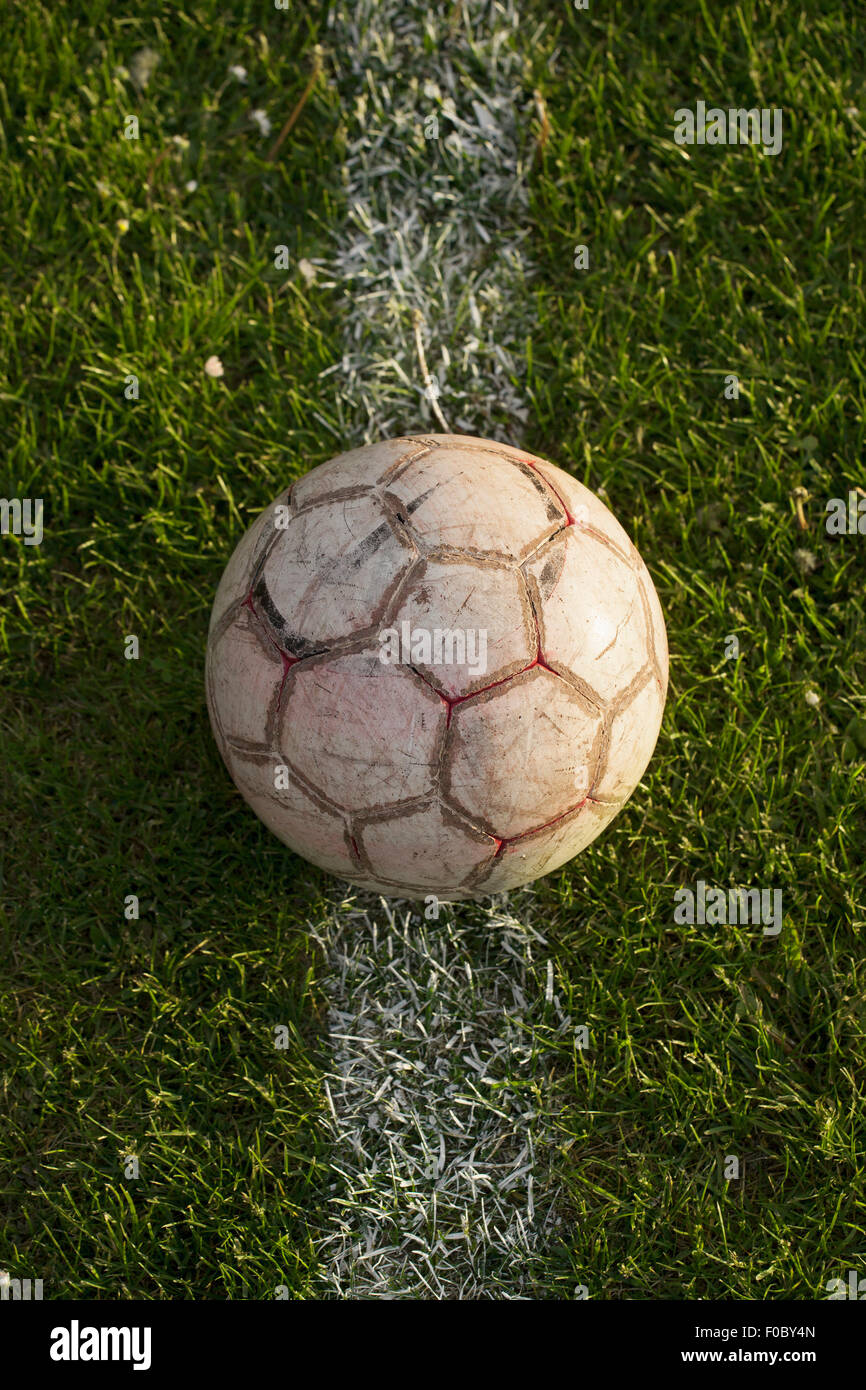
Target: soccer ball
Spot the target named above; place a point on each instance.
(436, 666)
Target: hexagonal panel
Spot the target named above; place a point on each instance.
(244, 676)
(429, 847)
(366, 734)
(469, 624)
(357, 468)
(521, 754)
(591, 615)
(463, 498)
(633, 735)
(238, 573)
(294, 816)
(332, 573)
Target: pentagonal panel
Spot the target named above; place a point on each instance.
(521, 860)
(332, 573)
(238, 573)
(632, 738)
(428, 848)
(591, 616)
(243, 681)
(355, 469)
(521, 754)
(472, 499)
(464, 624)
(366, 734)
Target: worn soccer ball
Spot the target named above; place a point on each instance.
(436, 666)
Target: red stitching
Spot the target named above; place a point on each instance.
(535, 830)
(449, 701)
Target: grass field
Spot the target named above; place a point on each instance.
(153, 1037)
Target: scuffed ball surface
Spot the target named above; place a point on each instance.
(426, 777)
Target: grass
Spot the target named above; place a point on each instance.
(154, 1036)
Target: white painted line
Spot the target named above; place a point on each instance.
(436, 1092)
